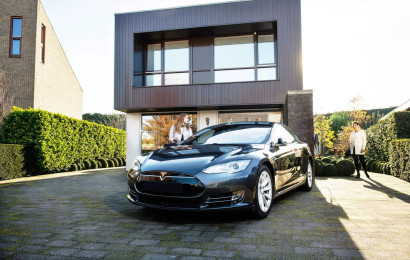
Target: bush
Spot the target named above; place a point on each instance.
(11, 161)
(87, 164)
(116, 162)
(326, 159)
(345, 167)
(380, 135)
(319, 169)
(94, 164)
(59, 141)
(330, 169)
(104, 163)
(400, 159)
(110, 163)
(74, 167)
(99, 164)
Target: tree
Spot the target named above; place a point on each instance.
(114, 120)
(342, 141)
(6, 100)
(356, 113)
(339, 119)
(325, 132)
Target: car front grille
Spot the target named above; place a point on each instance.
(169, 184)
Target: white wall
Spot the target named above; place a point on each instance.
(133, 137)
(202, 115)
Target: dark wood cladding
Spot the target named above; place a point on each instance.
(286, 14)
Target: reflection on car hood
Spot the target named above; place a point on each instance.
(192, 159)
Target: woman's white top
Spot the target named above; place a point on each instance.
(357, 142)
(184, 132)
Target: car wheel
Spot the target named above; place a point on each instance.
(264, 193)
(309, 177)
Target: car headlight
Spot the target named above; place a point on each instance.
(135, 169)
(229, 167)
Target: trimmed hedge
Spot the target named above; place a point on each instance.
(400, 159)
(380, 135)
(330, 169)
(345, 167)
(319, 168)
(11, 161)
(59, 141)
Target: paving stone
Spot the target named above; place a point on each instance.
(91, 254)
(185, 251)
(158, 257)
(219, 253)
(61, 252)
(147, 242)
(196, 258)
(228, 240)
(61, 243)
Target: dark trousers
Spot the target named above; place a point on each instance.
(356, 159)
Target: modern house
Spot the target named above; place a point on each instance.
(37, 70)
(236, 61)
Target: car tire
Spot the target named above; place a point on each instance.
(309, 177)
(264, 193)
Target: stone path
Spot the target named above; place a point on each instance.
(88, 216)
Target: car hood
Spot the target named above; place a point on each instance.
(192, 159)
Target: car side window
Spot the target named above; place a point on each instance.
(281, 132)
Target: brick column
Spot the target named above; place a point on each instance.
(298, 114)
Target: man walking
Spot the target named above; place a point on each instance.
(357, 148)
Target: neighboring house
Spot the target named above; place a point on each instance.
(37, 70)
(404, 107)
(227, 62)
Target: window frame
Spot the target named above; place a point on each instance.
(12, 38)
(162, 72)
(43, 44)
(256, 65)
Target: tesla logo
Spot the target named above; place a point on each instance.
(162, 177)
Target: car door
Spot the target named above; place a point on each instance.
(284, 158)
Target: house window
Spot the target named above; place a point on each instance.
(15, 36)
(43, 43)
(167, 63)
(244, 58)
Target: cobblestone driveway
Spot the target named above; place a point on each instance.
(88, 216)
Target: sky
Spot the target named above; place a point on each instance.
(351, 48)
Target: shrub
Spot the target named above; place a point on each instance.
(120, 161)
(74, 167)
(87, 164)
(110, 163)
(400, 159)
(326, 159)
(11, 161)
(94, 164)
(116, 162)
(333, 162)
(104, 163)
(345, 167)
(59, 141)
(380, 135)
(99, 164)
(330, 169)
(319, 170)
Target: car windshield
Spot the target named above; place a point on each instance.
(232, 134)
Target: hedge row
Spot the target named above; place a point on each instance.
(380, 135)
(400, 159)
(11, 161)
(332, 166)
(57, 141)
(98, 163)
(378, 166)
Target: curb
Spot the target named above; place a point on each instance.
(58, 175)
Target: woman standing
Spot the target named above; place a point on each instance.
(180, 131)
(357, 148)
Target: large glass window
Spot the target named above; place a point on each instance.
(252, 115)
(16, 36)
(234, 58)
(155, 129)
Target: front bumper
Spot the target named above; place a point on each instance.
(219, 192)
